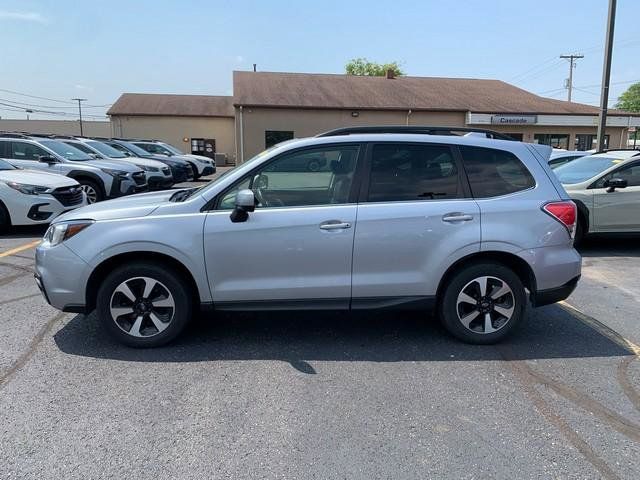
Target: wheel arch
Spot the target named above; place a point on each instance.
(519, 266)
(78, 175)
(3, 208)
(104, 268)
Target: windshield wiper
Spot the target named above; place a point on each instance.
(182, 195)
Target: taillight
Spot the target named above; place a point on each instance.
(565, 212)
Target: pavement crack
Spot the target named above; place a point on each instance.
(524, 373)
(22, 360)
(10, 278)
(627, 387)
(22, 268)
(17, 299)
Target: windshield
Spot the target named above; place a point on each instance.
(66, 151)
(106, 150)
(136, 150)
(171, 148)
(584, 168)
(4, 165)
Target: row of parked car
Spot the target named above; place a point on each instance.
(42, 176)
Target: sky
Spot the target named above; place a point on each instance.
(61, 49)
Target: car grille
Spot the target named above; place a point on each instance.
(139, 178)
(166, 171)
(68, 196)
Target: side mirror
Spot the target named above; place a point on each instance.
(47, 159)
(245, 203)
(96, 156)
(614, 183)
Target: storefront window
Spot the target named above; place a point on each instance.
(588, 141)
(556, 140)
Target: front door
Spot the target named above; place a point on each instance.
(618, 211)
(413, 216)
(297, 245)
(27, 155)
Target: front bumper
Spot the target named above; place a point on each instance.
(160, 183)
(122, 187)
(61, 276)
(182, 173)
(208, 171)
(41, 209)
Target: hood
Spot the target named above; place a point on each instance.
(147, 162)
(112, 165)
(35, 177)
(131, 206)
(198, 157)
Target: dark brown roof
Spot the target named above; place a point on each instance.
(177, 105)
(306, 90)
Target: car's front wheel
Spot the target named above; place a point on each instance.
(144, 305)
(483, 303)
(92, 190)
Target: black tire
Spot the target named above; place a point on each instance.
(581, 231)
(5, 218)
(464, 281)
(177, 317)
(196, 175)
(90, 185)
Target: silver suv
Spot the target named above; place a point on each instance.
(471, 228)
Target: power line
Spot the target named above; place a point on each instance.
(49, 99)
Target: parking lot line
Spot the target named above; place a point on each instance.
(603, 329)
(22, 248)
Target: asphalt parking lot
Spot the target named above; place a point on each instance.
(325, 395)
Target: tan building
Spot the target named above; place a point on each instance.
(271, 107)
(185, 121)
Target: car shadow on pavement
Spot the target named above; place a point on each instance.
(24, 231)
(299, 337)
(627, 245)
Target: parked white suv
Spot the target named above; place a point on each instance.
(30, 197)
(202, 166)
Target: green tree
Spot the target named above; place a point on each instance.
(363, 67)
(630, 100)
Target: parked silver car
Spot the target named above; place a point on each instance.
(472, 228)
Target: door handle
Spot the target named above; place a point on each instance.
(456, 217)
(334, 225)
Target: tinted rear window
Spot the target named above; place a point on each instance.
(494, 172)
(405, 172)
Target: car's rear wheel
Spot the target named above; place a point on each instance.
(144, 305)
(5, 219)
(483, 303)
(92, 190)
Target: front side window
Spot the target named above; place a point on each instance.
(27, 151)
(630, 173)
(405, 172)
(319, 176)
(493, 172)
(274, 137)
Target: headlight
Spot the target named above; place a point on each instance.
(148, 169)
(28, 189)
(59, 232)
(115, 173)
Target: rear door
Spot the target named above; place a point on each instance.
(414, 214)
(27, 155)
(618, 211)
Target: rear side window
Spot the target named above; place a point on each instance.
(406, 172)
(4, 150)
(494, 172)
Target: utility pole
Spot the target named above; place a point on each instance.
(80, 100)
(572, 64)
(606, 74)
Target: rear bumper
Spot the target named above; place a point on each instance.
(553, 295)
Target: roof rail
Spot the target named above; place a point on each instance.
(65, 137)
(14, 135)
(414, 129)
(617, 150)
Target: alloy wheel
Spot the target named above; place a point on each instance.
(92, 195)
(485, 305)
(142, 307)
